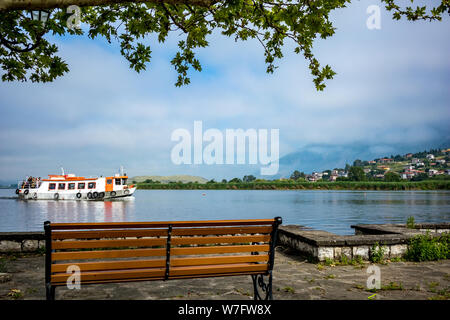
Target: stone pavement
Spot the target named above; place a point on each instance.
(293, 278)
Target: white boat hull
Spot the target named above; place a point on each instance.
(70, 187)
(35, 194)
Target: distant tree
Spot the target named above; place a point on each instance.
(374, 172)
(420, 177)
(148, 181)
(235, 180)
(420, 154)
(249, 178)
(357, 163)
(211, 181)
(224, 180)
(440, 177)
(356, 174)
(297, 175)
(326, 175)
(392, 177)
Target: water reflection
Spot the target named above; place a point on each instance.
(82, 211)
(330, 210)
(20, 215)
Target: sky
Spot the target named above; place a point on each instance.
(391, 89)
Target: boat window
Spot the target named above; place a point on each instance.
(109, 181)
(91, 185)
(61, 186)
(52, 186)
(71, 186)
(81, 185)
(124, 181)
(117, 182)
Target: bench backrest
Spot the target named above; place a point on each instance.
(132, 251)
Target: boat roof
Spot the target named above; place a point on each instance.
(72, 177)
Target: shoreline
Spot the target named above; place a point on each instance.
(292, 185)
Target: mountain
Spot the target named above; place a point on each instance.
(167, 179)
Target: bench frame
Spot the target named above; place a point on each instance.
(262, 289)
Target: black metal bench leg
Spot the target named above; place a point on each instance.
(50, 292)
(261, 289)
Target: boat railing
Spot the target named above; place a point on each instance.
(35, 184)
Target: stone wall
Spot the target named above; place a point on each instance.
(21, 242)
(322, 245)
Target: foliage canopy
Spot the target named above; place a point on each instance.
(26, 55)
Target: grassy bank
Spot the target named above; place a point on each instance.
(293, 185)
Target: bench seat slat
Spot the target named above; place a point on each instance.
(104, 254)
(111, 265)
(162, 278)
(138, 264)
(90, 244)
(111, 275)
(212, 269)
(98, 234)
(223, 239)
(111, 254)
(219, 249)
(148, 273)
(218, 274)
(198, 261)
(219, 231)
(160, 224)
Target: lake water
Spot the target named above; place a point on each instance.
(332, 211)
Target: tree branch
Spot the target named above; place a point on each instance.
(7, 5)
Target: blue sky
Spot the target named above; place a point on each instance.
(391, 89)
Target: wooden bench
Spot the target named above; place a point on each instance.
(141, 251)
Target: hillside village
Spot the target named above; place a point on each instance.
(426, 165)
(432, 164)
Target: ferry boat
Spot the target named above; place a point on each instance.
(71, 187)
